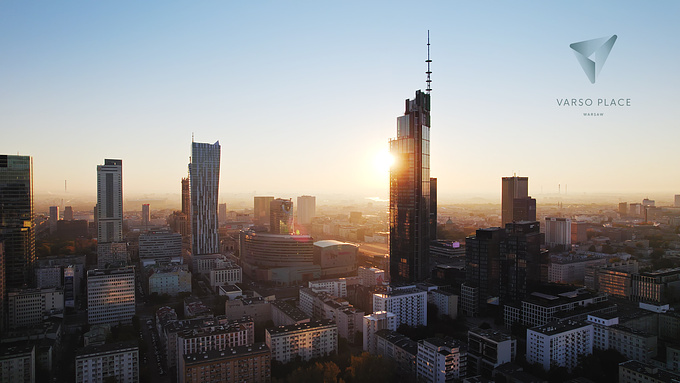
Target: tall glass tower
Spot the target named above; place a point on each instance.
(17, 228)
(110, 201)
(410, 193)
(204, 175)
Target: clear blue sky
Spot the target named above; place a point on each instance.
(304, 95)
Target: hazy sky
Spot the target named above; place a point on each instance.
(303, 96)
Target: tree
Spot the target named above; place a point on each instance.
(318, 372)
(369, 368)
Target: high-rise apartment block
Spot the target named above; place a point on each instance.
(515, 200)
(557, 231)
(441, 360)
(410, 193)
(261, 206)
(17, 228)
(305, 340)
(488, 349)
(17, 363)
(306, 209)
(281, 216)
(559, 344)
(204, 172)
(111, 295)
(118, 362)
(409, 304)
(379, 320)
(251, 363)
(110, 201)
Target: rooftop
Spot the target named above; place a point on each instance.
(291, 311)
(238, 351)
(301, 327)
(650, 371)
(107, 348)
(399, 340)
(14, 350)
(493, 335)
(554, 328)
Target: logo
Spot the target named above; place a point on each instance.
(592, 54)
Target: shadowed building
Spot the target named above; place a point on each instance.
(204, 174)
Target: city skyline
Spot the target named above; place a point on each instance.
(240, 74)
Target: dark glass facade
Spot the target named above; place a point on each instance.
(410, 193)
(512, 188)
(17, 228)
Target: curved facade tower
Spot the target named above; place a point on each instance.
(204, 175)
(410, 193)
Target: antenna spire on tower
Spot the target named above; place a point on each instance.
(428, 61)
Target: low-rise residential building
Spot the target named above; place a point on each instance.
(372, 323)
(401, 349)
(306, 340)
(633, 371)
(17, 363)
(28, 307)
(559, 344)
(119, 361)
(249, 363)
(170, 280)
(488, 349)
(441, 360)
(408, 303)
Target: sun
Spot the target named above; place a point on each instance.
(383, 161)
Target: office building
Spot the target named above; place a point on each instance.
(400, 349)
(28, 307)
(488, 349)
(634, 371)
(160, 246)
(111, 295)
(2, 287)
(441, 360)
(68, 213)
(623, 208)
(558, 232)
(186, 196)
(112, 254)
(433, 209)
(54, 217)
(250, 363)
(538, 309)
(146, 215)
(482, 266)
(281, 216)
(559, 344)
(336, 259)
(17, 363)
(515, 200)
(226, 274)
(306, 209)
(305, 341)
(408, 303)
(204, 173)
(372, 323)
(261, 212)
(110, 201)
(410, 193)
(17, 227)
(115, 361)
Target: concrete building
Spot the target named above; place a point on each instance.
(538, 308)
(631, 343)
(17, 363)
(250, 363)
(633, 371)
(284, 314)
(111, 295)
(372, 323)
(335, 258)
(306, 341)
(214, 338)
(49, 276)
(256, 307)
(408, 303)
(371, 276)
(571, 269)
(559, 344)
(222, 213)
(110, 201)
(146, 215)
(119, 361)
(261, 212)
(557, 231)
(446, 302)
(441, 360)
(204, 175)
(306, 209)
(170, 280)
(225, 274)
(112, 254)
(281, 216)
(336, 287)
(401, 349)
(29, 307)
(160, 246)
(68, 213)
(322, 305)
(54, 217)
(488, 349)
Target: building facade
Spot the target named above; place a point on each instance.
(110, 201)
(111, 295)
(250, 363)
(281, 216)
(441, 360)
(557, 231)
(488, 349)
(204, 174)
(410, 193)
(17, 363)
(559, 344)
(306, 209)
(28, 307)
(261, 206)
(408, 304)
(17, 226)
(119, 361)
(379, 320)
(306, 340)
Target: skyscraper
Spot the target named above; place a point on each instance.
(222, 213)
(204, 174)
(306, 209)
(281, 216)
(410, 193)
(110, 201)
(186, 197)
(146, 215)
(433, 209)
(515, 200)
(261, 206)
(17, 228)
(68, 213)
(54, 217)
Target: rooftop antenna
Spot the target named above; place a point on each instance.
(428, 61)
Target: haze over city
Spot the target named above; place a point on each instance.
(304, 97)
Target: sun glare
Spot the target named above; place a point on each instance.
(383, 161)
